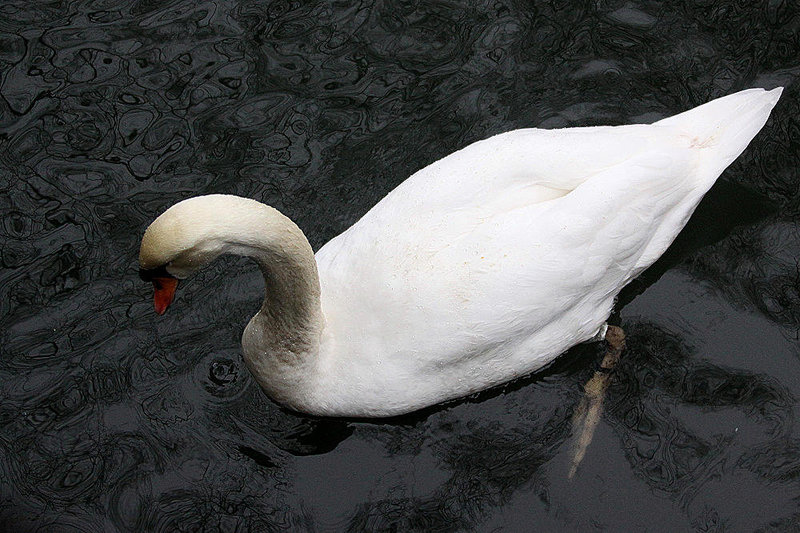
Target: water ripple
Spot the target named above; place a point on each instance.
(115, 419)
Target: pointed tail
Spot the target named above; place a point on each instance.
(722, 128)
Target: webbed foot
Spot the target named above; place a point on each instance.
(588, 413)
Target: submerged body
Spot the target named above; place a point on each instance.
(478, 269)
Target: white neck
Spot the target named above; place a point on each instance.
(290, 315)
(281, 343)
(290, 319)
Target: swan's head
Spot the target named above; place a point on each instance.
(180, 241)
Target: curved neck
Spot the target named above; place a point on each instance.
(291, 309)
(290, 319)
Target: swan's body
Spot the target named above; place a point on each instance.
(479, 268)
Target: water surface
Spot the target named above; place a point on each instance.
(114, 419)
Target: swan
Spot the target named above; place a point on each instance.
(481, 267)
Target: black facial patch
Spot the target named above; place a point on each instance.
(147, 274)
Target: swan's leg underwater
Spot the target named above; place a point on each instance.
(587, 415)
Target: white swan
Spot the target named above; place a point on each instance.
(479, 268)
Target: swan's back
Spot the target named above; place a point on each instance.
(490, 262)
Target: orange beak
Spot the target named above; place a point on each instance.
(164, 293)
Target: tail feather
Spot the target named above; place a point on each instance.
(722, 128)
(717, 133)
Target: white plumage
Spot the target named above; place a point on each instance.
(482, 267)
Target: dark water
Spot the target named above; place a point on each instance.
(113, 419)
